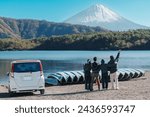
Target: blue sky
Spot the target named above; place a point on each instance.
(59, 10)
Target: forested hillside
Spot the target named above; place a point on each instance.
(130, 40)
(28, 29)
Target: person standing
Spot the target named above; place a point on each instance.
(95, 73)
(87, 74)
(104, 73)
(113, 71)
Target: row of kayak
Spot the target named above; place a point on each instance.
(75, 77)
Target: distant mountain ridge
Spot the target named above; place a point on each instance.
(96, 18)
(27, 29)
(99, 15)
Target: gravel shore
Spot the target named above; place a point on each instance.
(135, 89)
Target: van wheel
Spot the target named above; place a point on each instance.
(42, 91)
(11, 94)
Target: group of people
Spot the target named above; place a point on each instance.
(108, 72)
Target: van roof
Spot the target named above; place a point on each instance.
(25, 61)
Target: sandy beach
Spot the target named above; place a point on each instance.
(135, 89)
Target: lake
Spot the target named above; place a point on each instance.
(54, 61)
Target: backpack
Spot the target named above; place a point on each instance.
(95, 67)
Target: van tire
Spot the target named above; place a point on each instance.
(11, 94)
(42, 91)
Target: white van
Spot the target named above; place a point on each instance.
(26, 76)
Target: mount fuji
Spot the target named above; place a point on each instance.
(99, 15)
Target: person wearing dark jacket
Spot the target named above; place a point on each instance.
(113, 71)
(87, 74)
(104, 73)
(95, 73)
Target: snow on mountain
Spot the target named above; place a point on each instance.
(99, 15)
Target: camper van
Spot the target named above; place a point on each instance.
(26, 76)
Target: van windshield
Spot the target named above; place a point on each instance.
(27, 67)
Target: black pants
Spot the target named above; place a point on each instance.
(87, 80)
(105, 80)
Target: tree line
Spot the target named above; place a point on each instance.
(127, 40)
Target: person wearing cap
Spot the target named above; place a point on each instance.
(104, 74)
(113, 71)
(95, 73)
(87, 74)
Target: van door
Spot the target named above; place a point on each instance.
(27, 74)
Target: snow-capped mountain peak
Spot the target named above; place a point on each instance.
(99, 15)
(102, 13)
(96, 13)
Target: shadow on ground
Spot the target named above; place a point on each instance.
(71, 93)
(16, 95)
(7, 95)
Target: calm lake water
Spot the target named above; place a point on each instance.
(54, 61)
